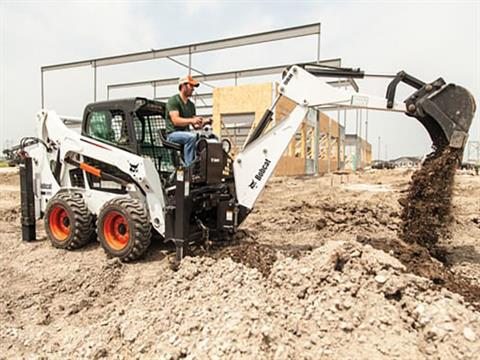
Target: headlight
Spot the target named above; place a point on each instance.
(226, 145)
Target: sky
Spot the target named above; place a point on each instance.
(428, 39)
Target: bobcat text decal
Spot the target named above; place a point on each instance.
(260, 173)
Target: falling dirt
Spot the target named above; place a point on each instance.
(426, 213)
(427, 217)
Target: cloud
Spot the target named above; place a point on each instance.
(37, 34)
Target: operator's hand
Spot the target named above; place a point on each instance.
(208, 121)
(197, 122)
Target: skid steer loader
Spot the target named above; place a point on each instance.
(118, 179)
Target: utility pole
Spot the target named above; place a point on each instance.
(378, 152)
(356, 139)
(386, 154)
(366, 127)
(360, 122)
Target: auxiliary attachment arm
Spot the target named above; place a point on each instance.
(445, 110)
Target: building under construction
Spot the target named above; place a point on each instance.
(321, 144)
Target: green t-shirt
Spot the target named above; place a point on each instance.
(187, 110)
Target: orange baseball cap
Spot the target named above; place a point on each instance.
(188, 80)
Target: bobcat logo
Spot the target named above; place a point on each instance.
(258, 177)
(133, 168)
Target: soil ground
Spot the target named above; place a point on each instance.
(318, 271)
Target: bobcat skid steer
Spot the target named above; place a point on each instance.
(116, 178)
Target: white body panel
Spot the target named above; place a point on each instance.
(59, 137)
(255, 164)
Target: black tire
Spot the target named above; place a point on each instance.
(124, 229)
(68, 222)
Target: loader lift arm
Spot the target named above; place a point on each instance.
(445, 110)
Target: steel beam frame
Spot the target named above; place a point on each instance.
(268, 36)
(236, 74)
(256, 38)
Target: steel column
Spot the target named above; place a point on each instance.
(94, 81)
(42, 91)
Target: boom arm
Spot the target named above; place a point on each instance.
(446, 121)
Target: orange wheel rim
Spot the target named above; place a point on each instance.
(115, 230)
(59, 223)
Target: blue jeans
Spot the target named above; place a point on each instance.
(188, 140)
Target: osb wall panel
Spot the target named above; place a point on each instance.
(323, 166)
(293, 166)
(249, 98)
(289, 166)
(324, 126)
(284, 107)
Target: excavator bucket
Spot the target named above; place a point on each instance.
(445, 110)
(446, 114)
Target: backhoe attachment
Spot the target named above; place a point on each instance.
(445, 110)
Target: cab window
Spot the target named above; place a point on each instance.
(108, 126)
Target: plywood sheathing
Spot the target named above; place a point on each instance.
(334, 128)
(323, 166)
(250, 98)
(284, 107)
(290, 166)
(366, 149)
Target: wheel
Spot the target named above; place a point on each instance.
(124, 229)
(68, 222)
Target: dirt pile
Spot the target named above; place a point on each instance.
(353, 217)
(337, 215)
(312, 221)
(9, 176)
(11, 214)
(300, 285)
(343, 299)
(426, 212)
(419, 261)
(249, 253)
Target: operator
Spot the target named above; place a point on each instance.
(180, 113)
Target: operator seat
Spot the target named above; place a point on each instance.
(177, 148)
(169, 144)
